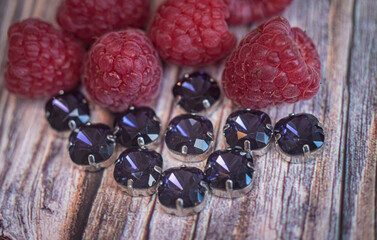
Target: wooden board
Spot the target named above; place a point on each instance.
(42, 196)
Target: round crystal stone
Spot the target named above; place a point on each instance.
(141, 166)
(252, 127)
(182, 183)
(137, 126)
(196, 92)
(296, 131)
(234, 165)
(65, 108)
(189, 134)
(92, 140)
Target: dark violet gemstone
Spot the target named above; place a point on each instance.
(229, 165)
(61, 109)
(194, 132)
(92, 139)
(138, 164)
(297, 131)
(248, 125)
(197, 91)
(135, 123)
(181, 183)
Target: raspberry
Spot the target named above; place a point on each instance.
(192, 32)
(247, 11)
(90, 19)
(41, 60)
(122, 69)
(273, 64)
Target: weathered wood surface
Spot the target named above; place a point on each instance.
(42, 196)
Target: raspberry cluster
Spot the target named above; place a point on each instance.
(192, 32)
(122, 69)
(273, 64)
(41, 60)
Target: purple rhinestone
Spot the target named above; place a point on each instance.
(229, 165)
(183, 183)
(299, 130)
(194, 132)
(248, 125)
(139, 165)
(137, 122)
(62, 109)
(91, 140)
(197, 91)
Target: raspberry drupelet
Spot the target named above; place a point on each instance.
(122, 69)
(192, 32)
(272, 64)
(42, 60)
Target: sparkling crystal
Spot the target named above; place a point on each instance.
(229, 165)
(135, 123)
(139, 165)
(91, 140)
(248, 125)
(192, 131)
(183, 183)
(62, 109)
(297, 131)
(197, 91)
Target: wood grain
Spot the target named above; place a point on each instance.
(43, 196)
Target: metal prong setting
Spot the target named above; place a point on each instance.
(184, 150)
(247, 146)
(292, 114)
(136, 192)
(230, 192)
(180, 210)
(72, 125)
(206, 104)
(141, 143)
(111, 138)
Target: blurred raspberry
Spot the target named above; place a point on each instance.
(273, 64)
(41, 60)
(122, 69)
(247, 11)
(192, 32)
(89, 19)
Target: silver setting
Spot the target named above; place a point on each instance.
(181, 211)
(206, 104)
(111, 138)
(138, 192)
(183, 156)
(307, 155)
(229, 192)
(72, 125)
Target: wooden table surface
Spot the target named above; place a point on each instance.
(43, 196)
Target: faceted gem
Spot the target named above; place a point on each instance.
(248, 125)
(62, 109)
(197, 91)
(191, 132)
(137, 122)
(91, 140)
(139, 165)
(183, 183)
(299, 130)
(229, 165)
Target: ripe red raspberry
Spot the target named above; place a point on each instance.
(90, 19)
(122, 69)
(247, 11)
(192, 32)
(41, 60)
(273, 64)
